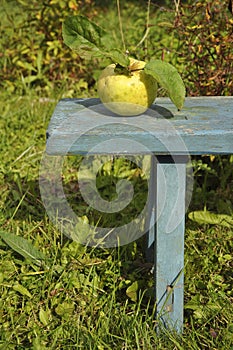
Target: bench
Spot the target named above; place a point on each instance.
(169, 137)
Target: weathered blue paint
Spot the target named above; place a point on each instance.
(205, 126)
(169, 242)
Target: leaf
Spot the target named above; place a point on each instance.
(131, 291)
(118, 57)
(84, 36)
(44, 316)
(90, 40)
(22, 247)
(206, 217)
(65, 309)
(169, 78)
(22, 290)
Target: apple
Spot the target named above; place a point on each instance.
(127, 91)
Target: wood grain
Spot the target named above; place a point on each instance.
(205, 125)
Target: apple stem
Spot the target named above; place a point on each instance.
(135, 70)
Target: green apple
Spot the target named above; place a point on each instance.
(127, 91)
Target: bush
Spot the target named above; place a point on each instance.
(32, 48)
(196, 38)
(205, 37)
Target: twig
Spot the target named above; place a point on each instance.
(147, 25)
(177, 5)
(120, 24)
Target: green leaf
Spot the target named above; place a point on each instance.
(206, 217)
(22, 290)
(118, 57)
(131, 291)
(44, 316)
(22, 247)
(169, 78)
(65, 309)
(90, 40)
(82, 35)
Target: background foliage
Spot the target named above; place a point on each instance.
(205, 34)
(197, 38)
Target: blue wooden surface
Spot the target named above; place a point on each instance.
(205, 125)
(169, 239)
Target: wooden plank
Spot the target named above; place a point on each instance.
(169, 243)
(205, 125)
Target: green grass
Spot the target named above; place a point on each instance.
(77, 297)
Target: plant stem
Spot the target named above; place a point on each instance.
(147, 25)
(177, 5)
(120, 24)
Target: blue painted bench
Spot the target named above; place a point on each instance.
(204, 126)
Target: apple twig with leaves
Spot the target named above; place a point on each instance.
(90, 40)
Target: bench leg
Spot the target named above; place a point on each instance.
(169, 180)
